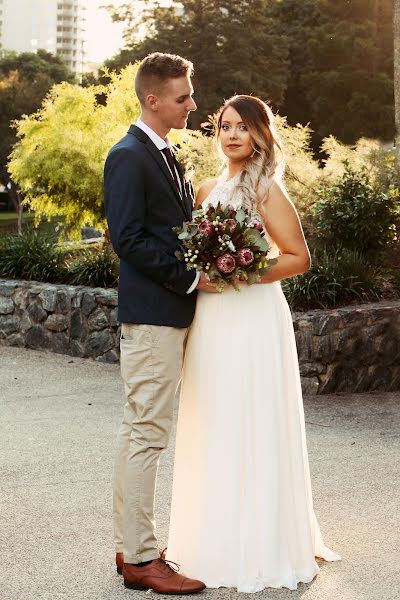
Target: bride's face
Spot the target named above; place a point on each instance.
(234, 138)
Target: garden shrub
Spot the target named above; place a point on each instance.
(33, 256)
(337, 278)
(354, 214)
(94, 268)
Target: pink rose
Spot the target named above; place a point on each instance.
(245, 257)
(225, 263)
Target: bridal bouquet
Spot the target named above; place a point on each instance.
(225, 243)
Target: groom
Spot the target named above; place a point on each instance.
(145, 196)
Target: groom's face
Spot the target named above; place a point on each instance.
(175, 102)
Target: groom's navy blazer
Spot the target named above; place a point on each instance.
(142, 205)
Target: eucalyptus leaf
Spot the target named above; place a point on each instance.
(240, 216)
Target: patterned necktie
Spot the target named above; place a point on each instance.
(170, 160)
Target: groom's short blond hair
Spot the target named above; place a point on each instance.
(156, 69)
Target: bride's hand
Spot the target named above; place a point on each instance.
(205, 284)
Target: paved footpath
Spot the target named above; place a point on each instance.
(58, 420)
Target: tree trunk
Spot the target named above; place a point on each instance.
(16, 199)
(396, 36)
(14, 196)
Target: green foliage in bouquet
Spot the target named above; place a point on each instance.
(354, 214)
(33, 256)
(335, 279)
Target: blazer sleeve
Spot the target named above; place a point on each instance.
(125, 206)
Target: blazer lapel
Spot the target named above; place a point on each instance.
(156, 154)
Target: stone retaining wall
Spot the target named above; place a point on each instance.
(69, 320)
(351, 349)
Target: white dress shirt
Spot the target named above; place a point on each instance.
(161, 144)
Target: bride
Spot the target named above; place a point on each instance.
(242, 511)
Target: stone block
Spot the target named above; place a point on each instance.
(78, 328)
(112, 357)
(36, 311)
(77, 349)
(303, 343)
(309, 385)
(381, 378)
(21, 299)
(49, 299)
(56, 322)
(76, 300)
(308, 369)
(322, 348)
(37, 337)
(114, 317)
(97, 320)
(6, 306)
(107, 297)
(88, 303)
(60, 343)
(25, 323)
(98, 343)
(326, 323)
(7, 288)
(16, 340)
(9, 324)
(63, 301)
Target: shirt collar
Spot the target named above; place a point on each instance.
(155, 138)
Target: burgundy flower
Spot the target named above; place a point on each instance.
(256, 224)
(225, 263)
(245, 257)
(230, 224)
(207, 228)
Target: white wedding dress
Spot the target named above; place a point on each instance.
(242, 511)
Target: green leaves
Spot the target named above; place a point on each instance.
(32, 256)
(356, 215)
(335, 279)
(253, 237)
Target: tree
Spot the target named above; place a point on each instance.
(396, 37)
(25, 79)
(233, 46)
(341, 73)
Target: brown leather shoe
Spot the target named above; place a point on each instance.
(119, 561)
(160, 577)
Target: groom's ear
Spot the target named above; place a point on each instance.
(152, 102)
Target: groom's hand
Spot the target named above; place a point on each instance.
(205, 285)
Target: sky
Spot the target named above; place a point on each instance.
(103, 37)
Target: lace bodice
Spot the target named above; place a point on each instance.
(222, 192)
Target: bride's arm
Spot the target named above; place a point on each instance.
(283, 225)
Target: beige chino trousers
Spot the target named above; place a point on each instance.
(151, 364)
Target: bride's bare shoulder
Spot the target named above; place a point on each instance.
(204, 190)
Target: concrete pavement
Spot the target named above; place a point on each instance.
(58, 420)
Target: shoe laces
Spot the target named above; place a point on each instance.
(169, 565)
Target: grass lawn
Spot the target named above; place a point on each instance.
(6, 217)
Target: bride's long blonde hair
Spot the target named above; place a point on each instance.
(267, 161)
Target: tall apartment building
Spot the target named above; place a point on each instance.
(54, 25)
